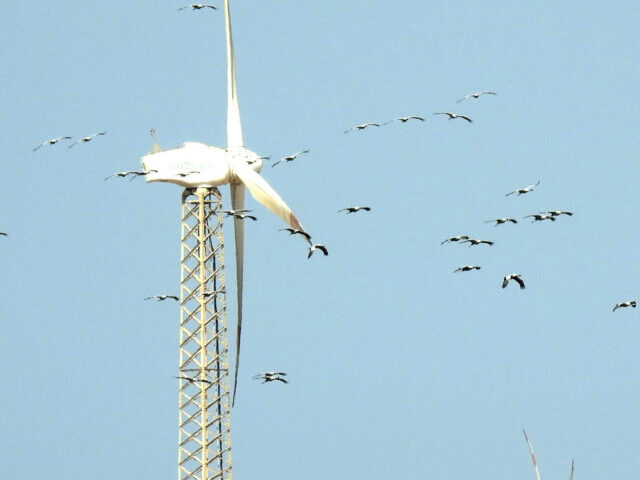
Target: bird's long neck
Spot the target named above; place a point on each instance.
(234, 127)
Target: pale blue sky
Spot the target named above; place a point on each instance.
(398, 367)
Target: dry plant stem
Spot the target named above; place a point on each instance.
(572, 469)
(533, 455)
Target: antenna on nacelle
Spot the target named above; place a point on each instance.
(155, 148)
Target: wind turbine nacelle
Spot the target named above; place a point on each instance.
(195, 164)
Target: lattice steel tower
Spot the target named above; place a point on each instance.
(204, 443)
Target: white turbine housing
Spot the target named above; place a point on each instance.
(195, 164)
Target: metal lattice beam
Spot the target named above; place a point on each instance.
(204, 425)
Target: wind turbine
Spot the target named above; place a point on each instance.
(211, 167)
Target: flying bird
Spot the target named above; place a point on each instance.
(289, 158)
(354, 209)
(239, 213)
(133, 174)
(475, 95)
(317, 246)
(539, 217)
(254, 160)
(271, 376)
(513, 276)
(630, 303)
(467, 268)
(242, 216)
(453, 116)
(362, 126)
(455, 239)
(232, 213)
(213, 292)
(473, 241)
(192, 380)
(53, 141)
(295, 231)
(87, 138)
(557, 213)
(405, 119)
(4, 234)
(523, 190)
(184, 174)
(500, 221)
(161, 298)
(197, 6)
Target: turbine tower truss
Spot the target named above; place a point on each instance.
(204, 421)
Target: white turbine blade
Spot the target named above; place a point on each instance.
(237, 203)
(264, 194)
(234, 127)
(267, 196)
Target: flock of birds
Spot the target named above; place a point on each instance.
(244, 214)
(240, 214)
(266, 377)
(313, 247)
(550, 215)
(516, 277)
(53, 141)
(405, 119)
